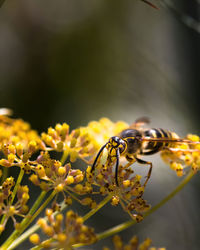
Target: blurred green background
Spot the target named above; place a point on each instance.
(77, 61)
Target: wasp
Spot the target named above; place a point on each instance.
(135, 142)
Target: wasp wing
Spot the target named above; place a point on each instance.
(177, 140)
(140, 122)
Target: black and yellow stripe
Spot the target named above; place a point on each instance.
(152, 147)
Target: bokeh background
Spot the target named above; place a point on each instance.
(77, 61)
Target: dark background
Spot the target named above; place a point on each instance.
(77, 61)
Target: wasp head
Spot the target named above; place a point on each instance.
(115, 147)
(116, 143)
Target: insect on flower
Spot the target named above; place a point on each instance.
(136, 141)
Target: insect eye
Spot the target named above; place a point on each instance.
(110, 141)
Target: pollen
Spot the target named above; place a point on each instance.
(48, 212)
(62, 237)
(35, 239)
(2, 228)
(188, 159)
(32, 146)
(41, 222)
(48, 230)
(93, 205)
(79, 178)
(11, 158)
(115, 201)
(34, 179)
(11, 210)
(12, 149)
(61, 171)
(86, 201)
(59, 217)
(68, 201)
(117, 242)
(126, 183)
(5, 163)
(40, 171)
(100, 177)
(69, 180)
(60, 187)
(79, 220)
(139, 218)
(79, 187)
(19, 149)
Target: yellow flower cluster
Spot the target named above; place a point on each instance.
(74, 231)
(129, 191)
(38, 156)
(133, 244)
(16, 132)
(54, 175)
(100, 131)
(11, 210)
(82, 142)
(183, 155)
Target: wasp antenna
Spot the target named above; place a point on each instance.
(97, 157)
(116, 168)
(150, 4)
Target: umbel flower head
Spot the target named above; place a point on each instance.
(184, 155)
(16, 132)
(133, 244)
(19, 208)
(82, 142)
(63, 232)
(51, 174)
(128, 193)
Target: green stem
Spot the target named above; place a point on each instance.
(33, 229)
(19, 179)
(64, 156)
(36, 248)
(99, 206)
(26, 221)
(36, 204)
(5, 174)
(129, 223)
(51, 196)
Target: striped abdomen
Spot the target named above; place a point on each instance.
(151, 147)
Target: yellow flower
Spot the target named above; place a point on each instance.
(129, 191)
(183, 155)
(132, 244)
(73, 232)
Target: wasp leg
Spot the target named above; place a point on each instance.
(150, 168)
(116, 168)
(97, 157)
(130, 160)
